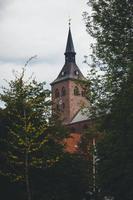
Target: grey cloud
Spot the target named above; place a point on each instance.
(3, 5)
(29, 27)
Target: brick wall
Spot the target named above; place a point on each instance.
(72, 103)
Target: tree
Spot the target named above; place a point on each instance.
(67, 179)
(115, 151)
(27, 142)
(110, 24)
(110, 92)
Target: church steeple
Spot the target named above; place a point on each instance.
(67, 93)
(69, 45)
(70, 52)
(70, 70)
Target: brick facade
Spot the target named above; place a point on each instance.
(69, 104)
(68, 96)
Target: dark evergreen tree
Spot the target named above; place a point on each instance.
(110, 92)
(110, 24)
(67, 179)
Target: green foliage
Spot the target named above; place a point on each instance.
(26, 111)
(110, 91)
(116, 149)
(66, 180)
(33, 163)
(30, 139)
(110, 23)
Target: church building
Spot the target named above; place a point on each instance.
(68, 94)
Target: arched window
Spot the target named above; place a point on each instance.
(57, 94)
(83, 93)
(63, 91)
(76, 91)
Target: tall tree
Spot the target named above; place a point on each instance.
(67, 179)
(28, 142)
(110, 24)
(110, 92)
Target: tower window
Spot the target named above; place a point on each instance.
(63, 73)
(76, 91)
(63, 92)
(76, 72)
(57, 94)
(83, 93)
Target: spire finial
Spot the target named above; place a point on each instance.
(69, 22)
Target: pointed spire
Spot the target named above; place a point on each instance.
(70, 51)
(69, 45)
(70, 70)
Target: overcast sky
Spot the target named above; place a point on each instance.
(40, 27)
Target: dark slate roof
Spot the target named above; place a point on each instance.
(69, 45)
(70, 70)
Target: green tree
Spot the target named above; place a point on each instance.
(27, 141)
(110, 92)
(116, 149)
(67, 179)
(110, 24)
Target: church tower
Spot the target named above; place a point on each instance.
(68, 95)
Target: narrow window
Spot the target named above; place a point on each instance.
(63, 92)
(83, 93)
(76, 91)
(57, 94)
